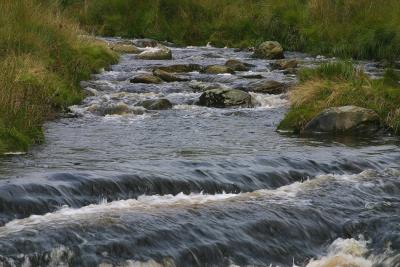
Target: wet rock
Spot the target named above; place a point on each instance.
(203, 86)
(159, 52)
(267, 87)
(125, 48)
(115, 109)
(238, 65)
(217, 69)
(284, 64)
(156, 104)
(346, 119)
(222, 98)
(180, 68)
(244, 49)
(146, 78)
(252, 76)
(167, 76)
(145, 42)
(269, 50)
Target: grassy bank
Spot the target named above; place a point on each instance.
(341, 84)
(351, 28)
(42, 60)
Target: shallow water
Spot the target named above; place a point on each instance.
(195, 186)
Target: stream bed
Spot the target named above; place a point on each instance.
(197, 186)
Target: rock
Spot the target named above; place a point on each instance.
(179, 68)
(159, 52)
(146, 78)
(269, 50)
(237, 65)
(346, 119)
(125, 48)
(156, 104)
(168, 77)
(285, 64)
(268, 87)
(115, 109)
(145, 42)
(222, 98)
(252, 76)
(202, 86)
(217, 69)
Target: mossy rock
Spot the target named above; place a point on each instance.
(223, 98)
(156, 104)
(217, 69)
(269, 50)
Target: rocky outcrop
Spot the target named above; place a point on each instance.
(180, 68)
(217, 69)
(267, 87)
(125, 48)
(156, 104)
(284, 64)
(346, 119)
(222, 98)
(238, 65)
(159, 52)
(269, 50)
(146, 78)
(167, 76)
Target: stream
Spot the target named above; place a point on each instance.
(198, 186)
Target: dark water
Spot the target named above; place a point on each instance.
(196, 186)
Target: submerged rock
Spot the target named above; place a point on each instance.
(269, 50)
(145, 42)
(115, 109)
(125, 48)
(222, 98)
(238, 65)
(167, 76)
(285, 64)
(146, 78)
(159, 52)
(217, 69)
(268, 87)
(156, 104)
(179, 68)
(346, 119)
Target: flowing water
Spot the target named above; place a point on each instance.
(197, 186)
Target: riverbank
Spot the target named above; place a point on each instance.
(42, 60)
(357, 29)
(342, 84)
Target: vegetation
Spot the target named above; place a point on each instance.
(42, 60)
(341, 84)
(350, 28)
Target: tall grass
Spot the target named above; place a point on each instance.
(341, 84)
(42, 60)
(351, 28)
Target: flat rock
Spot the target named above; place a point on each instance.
(167, 76)
(285, 64)
(238, 65)
(159, 52)
(125, 48)
(156, 104)
(180, 68)
(217, 69)
(146, 78)
(267, 87)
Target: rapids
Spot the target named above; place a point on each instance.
(197, 186)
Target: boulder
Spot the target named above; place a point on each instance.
(267, 87)
(284, 64)
(222, 98)
(146, 78)
(145, 42)
(179, 68)
(237, 65)
(159, 52)
(156, 104)
(346, 119)
(269, 50)
(167, 76)
(125, 48)
(217, 69)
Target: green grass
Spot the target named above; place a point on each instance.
(341, 84)
(42, 60)
(353, 28)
